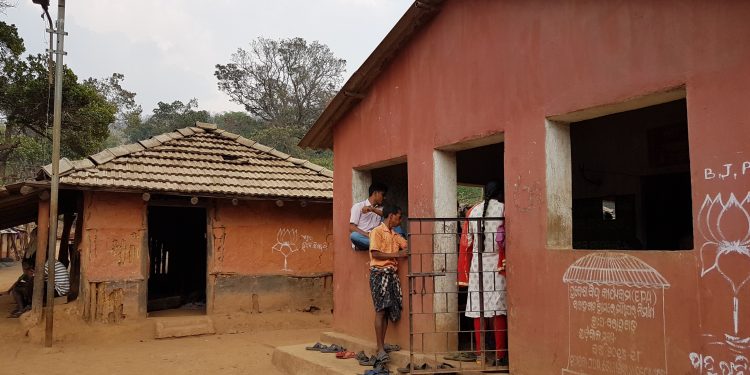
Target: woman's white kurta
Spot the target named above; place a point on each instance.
(493, 287)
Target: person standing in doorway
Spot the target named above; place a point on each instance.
(386, 248)
(366, 215)
(486, 246)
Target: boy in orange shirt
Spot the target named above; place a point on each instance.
(386, 247)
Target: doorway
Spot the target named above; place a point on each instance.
(177, 259)
(440, 268)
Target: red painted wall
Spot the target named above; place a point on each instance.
(485, 66)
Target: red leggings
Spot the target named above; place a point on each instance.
(500, 328)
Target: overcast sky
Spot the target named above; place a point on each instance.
(167, 49)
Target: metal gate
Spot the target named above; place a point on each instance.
(440, 334)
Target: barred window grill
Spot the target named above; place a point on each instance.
(438, 327)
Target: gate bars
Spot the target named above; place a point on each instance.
(438, 328)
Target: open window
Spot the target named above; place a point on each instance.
(621, 180)
(394, 175)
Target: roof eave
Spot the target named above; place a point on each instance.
(419, 14)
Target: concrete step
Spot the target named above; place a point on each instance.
(183, 326)
(294, 359)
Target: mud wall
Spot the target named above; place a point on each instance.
(267, 257)
(114, 256)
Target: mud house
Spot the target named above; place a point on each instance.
(198, 216)
(619, 132)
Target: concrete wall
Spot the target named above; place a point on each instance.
(247, 243)
(484, 67)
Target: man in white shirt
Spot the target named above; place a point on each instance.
(62, 279)
(366, 215)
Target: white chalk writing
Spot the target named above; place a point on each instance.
(611, 317)
(289, 241)
(309, 244)
(705, 364)
(727, 171)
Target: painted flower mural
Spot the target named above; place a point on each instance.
(286, 244)
(724, 224)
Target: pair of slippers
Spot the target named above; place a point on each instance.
(424, 366)
(376, 360)
(318, 347)
(345, 355)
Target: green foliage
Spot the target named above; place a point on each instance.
(279, 137)
(11, 45)
(167, 117)
(469, 195)
(27, 157)
(238, 123)
(112, 90)
(26, 109)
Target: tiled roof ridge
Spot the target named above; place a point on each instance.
(92, 161)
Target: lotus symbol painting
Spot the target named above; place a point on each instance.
(286, 244)
(724, 223)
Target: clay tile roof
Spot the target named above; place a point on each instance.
(605, 268)
(200, 159)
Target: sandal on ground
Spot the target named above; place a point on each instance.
(461, 357)
(445, 366)
(408, 368)
(333, 349)
(361, 356)
(391, 348)
(370, 361)
(317, 347)
(382, 358)
(346, 355)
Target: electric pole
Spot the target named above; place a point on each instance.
(59, 52)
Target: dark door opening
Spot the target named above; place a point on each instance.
(396, 178)
(177, 258)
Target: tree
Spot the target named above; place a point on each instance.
(286, 85)
(112, 90)
(26, 107)
(11, 45)
(5, 4)
(285, 82)
(239, 123)
(166, 117)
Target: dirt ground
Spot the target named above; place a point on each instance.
(243, 345)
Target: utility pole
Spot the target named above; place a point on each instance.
(54, 189)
